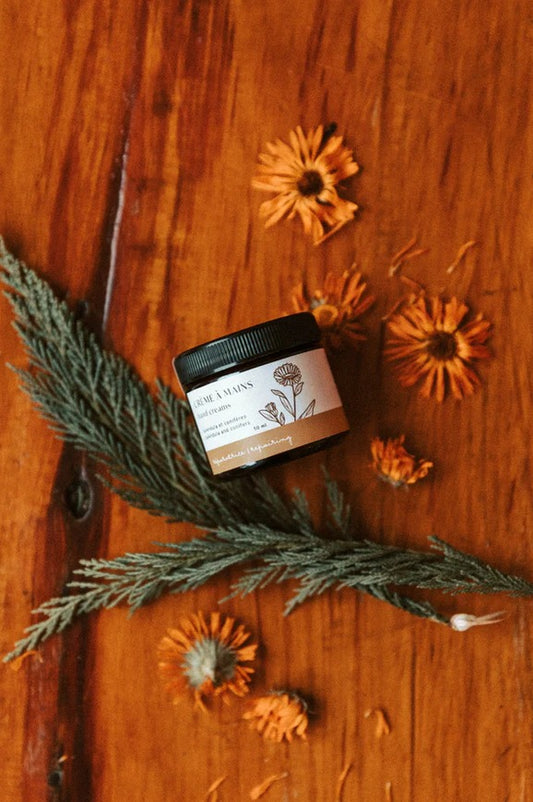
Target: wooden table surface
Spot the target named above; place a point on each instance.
(130, 133)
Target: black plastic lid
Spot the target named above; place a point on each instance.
(292, 331)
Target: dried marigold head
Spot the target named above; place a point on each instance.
(394, 464)
(431, 341)
(279, 715)
(303, 175)
(337, 307)
(206, 654)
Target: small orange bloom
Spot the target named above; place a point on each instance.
(338, 307)
(207, 656)
(430, 340)
(394, 464)
(303, 175)
(279, 715)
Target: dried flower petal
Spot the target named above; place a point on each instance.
(431, 342)
(394, 464)
(259, 790)
(460, 254)
(279, 715)
(383, 726)
(304, 175)
(212, 791)
(403, 255)
(337, 307)
(206, 655)
(16, 664)
(341, 781)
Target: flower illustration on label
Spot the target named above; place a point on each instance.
(288, 375)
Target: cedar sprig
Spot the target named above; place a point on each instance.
(154, 460)
(94, 400)
(317, 564)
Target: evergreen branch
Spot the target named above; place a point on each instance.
(94, 400)
(317, 564)
(154, 460)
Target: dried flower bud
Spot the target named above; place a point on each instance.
(460, 622)
(278, 716)
(393, 463)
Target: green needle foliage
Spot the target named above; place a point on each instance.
(154, 460)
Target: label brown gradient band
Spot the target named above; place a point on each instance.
(278, 441)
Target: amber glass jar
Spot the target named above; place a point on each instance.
(263, 394)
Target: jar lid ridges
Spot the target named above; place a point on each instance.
(280, 334)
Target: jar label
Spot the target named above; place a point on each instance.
(253, 414)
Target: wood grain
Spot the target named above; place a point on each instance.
(129, 135)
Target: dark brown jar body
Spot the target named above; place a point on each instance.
(262, 395)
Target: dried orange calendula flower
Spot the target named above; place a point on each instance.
(206, 654)
(393, 463)
(279, 715)
(430, 341)
(303, 175)
(336, 307)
